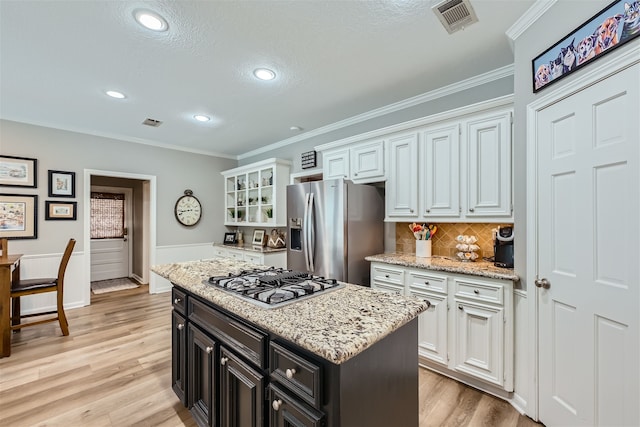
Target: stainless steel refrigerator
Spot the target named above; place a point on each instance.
(332, 226)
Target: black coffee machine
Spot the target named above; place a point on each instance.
(503, 247)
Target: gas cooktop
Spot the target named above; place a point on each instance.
(274, 287)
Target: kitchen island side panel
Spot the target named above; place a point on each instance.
(378, 387)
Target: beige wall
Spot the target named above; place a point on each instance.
(175, 171)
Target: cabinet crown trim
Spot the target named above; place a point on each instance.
(256, 165)
(503, 101)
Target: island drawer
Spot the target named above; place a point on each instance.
(247, 341)
(298, 374)
(179, 300)
(479, 291)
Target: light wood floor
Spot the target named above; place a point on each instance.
(114, 369)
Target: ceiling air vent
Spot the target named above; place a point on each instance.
(455, 14)
(152, 122)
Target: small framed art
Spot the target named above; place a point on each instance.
(18, 216)
(62, 184)
(229, 238)
(18, 172)
(60, 210)
(258, 238)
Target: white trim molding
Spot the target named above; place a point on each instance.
(528, 19)
(460, 86)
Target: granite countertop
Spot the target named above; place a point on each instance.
(249, 247)
(477, 268)
(335, 325)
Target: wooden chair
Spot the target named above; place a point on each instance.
(38, 286)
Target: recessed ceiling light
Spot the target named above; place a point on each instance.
(295, 128)
(115, 94)
(151, 20)
(202, 118)
(264, 74)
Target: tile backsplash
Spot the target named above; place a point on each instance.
(444, 243)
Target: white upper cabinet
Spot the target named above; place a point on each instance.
(489, 166)
(401, 192)
(335, 164)
(255, 194)
(361, 163)
(367, 161)
(440, 172)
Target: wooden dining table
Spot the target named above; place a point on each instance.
(9, 273)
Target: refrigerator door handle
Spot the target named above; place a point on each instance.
(312, 234)
(305, 231)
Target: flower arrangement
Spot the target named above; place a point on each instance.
(424, 231)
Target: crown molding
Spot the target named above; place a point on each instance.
(118, 137)
(460, 86)
(528, 18)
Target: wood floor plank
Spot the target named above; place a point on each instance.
(114, 369)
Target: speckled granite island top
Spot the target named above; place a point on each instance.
(477, 268)
(335, 325)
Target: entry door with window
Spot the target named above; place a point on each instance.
(109, 236)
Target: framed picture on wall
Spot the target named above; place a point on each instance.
(62, 184)
(18, 172)
(18, 216)
(60, 210)
(612, 27)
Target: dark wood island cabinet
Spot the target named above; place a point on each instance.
(235, 365)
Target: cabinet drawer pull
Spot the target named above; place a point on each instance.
(426, 282)
(224, 360)
(460, 307)
(209, 350)
(290, 373)
(180, 326)
(386, 275)
(428, 210)
(471, 209)
(475, 291)
(411, 210)
(177, 301)
(276, 404)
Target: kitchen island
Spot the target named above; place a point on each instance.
(345, 357)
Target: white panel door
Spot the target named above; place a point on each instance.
(588, 255)
(402, 185)
(109, 259)
(440, 176)
(489, 166)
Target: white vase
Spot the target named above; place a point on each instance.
(423, 248)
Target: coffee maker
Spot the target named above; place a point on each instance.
(503, 247)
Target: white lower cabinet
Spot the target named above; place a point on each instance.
(273, 259)
(467, 332)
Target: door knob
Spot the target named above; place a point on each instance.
(542, 283)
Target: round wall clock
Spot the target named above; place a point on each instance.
(188, 209)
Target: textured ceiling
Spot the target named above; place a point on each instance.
(333, 59)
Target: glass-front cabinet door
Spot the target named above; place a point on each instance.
(256, 194)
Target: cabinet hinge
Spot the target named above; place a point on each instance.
(447, 356)
(447, 307)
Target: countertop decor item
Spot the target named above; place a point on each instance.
(423, 234)
(467, 248)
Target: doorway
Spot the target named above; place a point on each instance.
(138, 240)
